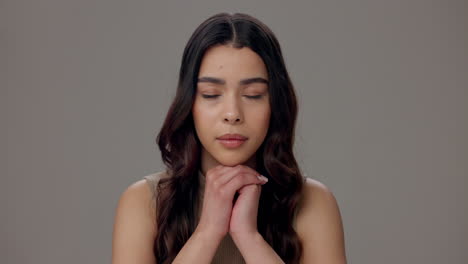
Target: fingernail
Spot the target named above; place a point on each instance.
(263, 178)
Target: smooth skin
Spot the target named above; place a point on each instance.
(230, 104)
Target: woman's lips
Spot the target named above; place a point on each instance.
(232, 140)
(232, 143)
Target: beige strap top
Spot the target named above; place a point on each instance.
(227, 252)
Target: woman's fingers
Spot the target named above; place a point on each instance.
(222, 182)
(227, 173)
(230, 179)
(241, 180)
(231, 172)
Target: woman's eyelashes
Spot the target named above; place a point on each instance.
(209, 96)
(213, 96)
(254, 96)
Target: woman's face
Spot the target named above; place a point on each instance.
(231, 98)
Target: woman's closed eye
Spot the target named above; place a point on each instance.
(213, 96)
(254, 96)
(209, 96)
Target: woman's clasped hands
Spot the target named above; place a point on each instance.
(219, 214)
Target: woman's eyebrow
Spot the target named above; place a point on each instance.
(241, 82)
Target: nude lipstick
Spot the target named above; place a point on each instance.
(232, 140)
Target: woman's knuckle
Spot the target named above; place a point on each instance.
(210, 176)
(239, 179)
(223, 193)
(216, 184)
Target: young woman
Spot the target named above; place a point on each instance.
(232, 191)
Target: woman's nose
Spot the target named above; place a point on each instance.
(232, 112)
(232, 119)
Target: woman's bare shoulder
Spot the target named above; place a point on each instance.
(313, 193)
(143, 192)
(315, 189)
(319, 224)
(153, 179)
(135, 221)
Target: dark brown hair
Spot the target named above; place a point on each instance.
(181, 148)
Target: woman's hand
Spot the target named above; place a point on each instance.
(221, 184)
(244, 214)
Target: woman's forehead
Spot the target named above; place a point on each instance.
(225, 62)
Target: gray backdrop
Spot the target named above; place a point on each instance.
(383, 121)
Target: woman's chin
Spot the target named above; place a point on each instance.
(233, 160)
(230, 163)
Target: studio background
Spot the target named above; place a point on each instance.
(383, 104)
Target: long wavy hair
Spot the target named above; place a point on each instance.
(181, 149)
